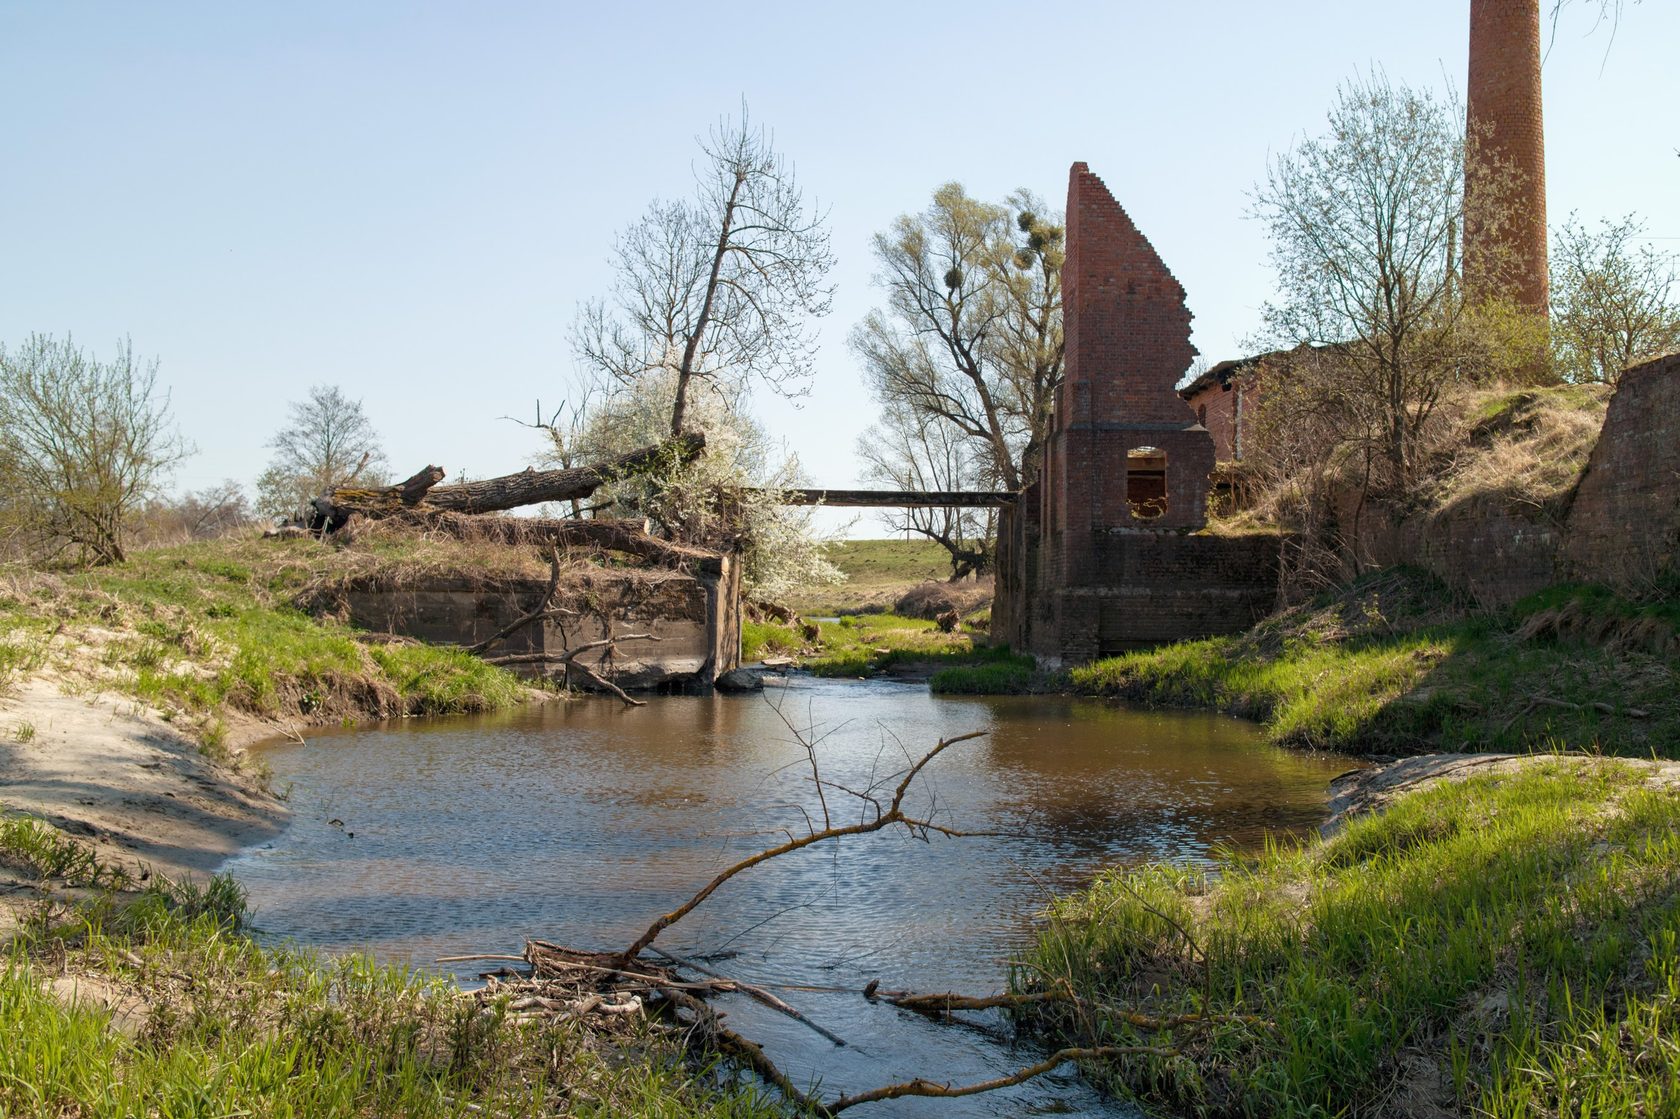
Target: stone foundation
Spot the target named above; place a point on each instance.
(697, 618)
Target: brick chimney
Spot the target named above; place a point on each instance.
(1505, 123)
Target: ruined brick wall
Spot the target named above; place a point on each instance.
(1153, 588)
(1128, 343)
(1481, 547)
(1226, 410)
(1085, 565)
(1505, 122)
(1624, 525)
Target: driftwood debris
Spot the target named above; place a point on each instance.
(606, 988)
(569, 659)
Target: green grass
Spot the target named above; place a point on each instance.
(218, 1026)
(1515, 935)
(1014, 675)
(205, 628)
(46, 854)
(1390, 667)
(877, 573)
(890, 561)
(862, 644)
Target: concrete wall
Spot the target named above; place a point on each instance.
(697, 618)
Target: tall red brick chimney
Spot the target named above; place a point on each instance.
(1505, 124)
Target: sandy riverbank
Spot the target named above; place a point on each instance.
(114, 775)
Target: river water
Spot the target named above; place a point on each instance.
(580, 822)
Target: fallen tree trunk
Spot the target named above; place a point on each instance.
(496, 495)
(331, 511)
(533, 487)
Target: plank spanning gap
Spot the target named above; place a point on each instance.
(899, 499)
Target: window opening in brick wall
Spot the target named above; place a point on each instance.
(1146, 482)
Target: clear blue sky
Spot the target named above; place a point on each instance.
(410, 200)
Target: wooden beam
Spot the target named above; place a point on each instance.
(896, 499)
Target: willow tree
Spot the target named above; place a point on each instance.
(969, 345)
(718, 290)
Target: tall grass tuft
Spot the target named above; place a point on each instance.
(1515, 933)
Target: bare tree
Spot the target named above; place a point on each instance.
(972, 333)
(198, 514)
(328, 442)
(1612, 302)
(906, 451)
(83, 443)
(720, 288)
(1364, 223)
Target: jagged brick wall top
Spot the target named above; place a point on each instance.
(1127, 328)
(1504, 110)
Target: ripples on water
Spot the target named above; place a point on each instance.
(580, 822)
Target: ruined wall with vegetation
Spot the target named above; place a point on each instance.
(695, 616)
(1545, 492)
(1624, 524)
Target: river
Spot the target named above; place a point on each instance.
(580, 822)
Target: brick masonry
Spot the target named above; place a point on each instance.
(1505, 119)
(1621, 526)
(1088, 562)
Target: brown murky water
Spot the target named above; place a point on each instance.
(580, 822)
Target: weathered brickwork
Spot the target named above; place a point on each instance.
(1098, 556)
(1481, 547)
(1128, 343)
(1624, 527)
(1506, 126)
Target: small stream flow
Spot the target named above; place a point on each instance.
(581, 822)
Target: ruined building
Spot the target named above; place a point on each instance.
(1508, 155)
(1101, 553)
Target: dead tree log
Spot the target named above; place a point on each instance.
(496, 495)
(570, 660)
(533, 487)
(330, 511)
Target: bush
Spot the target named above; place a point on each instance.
(83, 443)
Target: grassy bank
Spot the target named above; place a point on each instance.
(160, 1004)
(208, 630)
(1392, 665)
(877, 573)
(865, 644)
(1502, 946)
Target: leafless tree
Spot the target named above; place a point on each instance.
(722, 287)
(327, 443)
(972, 333)
(198, 514)
(906, 451)
(1612, 301)
(83, 443)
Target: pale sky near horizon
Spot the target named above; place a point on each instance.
(410, 200)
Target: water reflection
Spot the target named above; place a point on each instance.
(580, 822)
